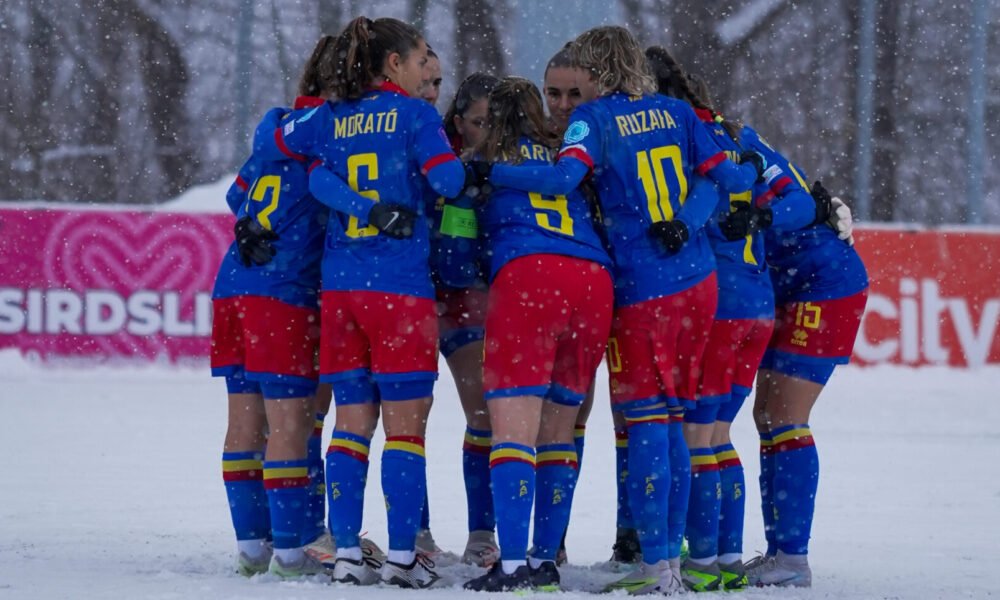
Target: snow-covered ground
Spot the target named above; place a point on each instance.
(113, 488)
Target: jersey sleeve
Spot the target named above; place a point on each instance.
(792, 205)
(581, 151)
(291, 135)
(327, 187)
(709, 160)
(701, 200)
(438, 163)
(237, 193)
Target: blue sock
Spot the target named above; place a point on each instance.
(243, 474)
(425, 512)
(555, 481)
(680, 489)
(404, 484)
(703, 510)
(733, 505)
(476, 472)
(796, 476)
(579, 436)
(649, 480)
(316, 509)
(766, 480)
(346, 476)
(512, 471)
(623, 519)
(287, 485)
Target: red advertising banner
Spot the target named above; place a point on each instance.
(121, 285)
(934, 298)
(109, 285)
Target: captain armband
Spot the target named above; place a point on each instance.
(459, 222)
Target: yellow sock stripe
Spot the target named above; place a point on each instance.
(286, 473)
(579, 432)
(512, 453)
(348, 444)
(726, 455)
(230, 466)
(791, 435)
(707, 459)
(405, 447)
(647, 418)
(557, 455)
(477, 440)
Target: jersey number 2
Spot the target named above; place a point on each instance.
(267, 188)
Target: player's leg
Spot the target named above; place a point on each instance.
(319, 542)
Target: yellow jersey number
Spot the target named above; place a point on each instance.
(747, 197)
(355, 162)
(266, 189)
(544, 208)
(654, 180)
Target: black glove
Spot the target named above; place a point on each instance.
(672, 234)
(254, 242)
(394, 220)
(756, 159)
(824, 202)
(477, 179)
(745, 220)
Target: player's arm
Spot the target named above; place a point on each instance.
(280, 137)
(581, 143)
(710, 161)
(703, 195)
(438, 163)
(237, 193)
(327, 187)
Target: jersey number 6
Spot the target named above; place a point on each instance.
(368, 160)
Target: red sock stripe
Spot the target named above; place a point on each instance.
(242, 470)
(793, 444)
(286, 477)
(728, 459)
(500, 456)
(349, 447)
(703, 463)
(557, 458)
(475, 448)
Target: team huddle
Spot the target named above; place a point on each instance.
(631, 223)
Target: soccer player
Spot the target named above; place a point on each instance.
(461, 317)
(379, 327)
(550, 307)
(820, 287)
(647, 154)
(430, 87)
(270, 276)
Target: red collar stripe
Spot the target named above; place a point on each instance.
(388, 86)
(308, 102)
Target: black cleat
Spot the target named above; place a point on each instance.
(546, 577)
(626, 549)
(495, 580)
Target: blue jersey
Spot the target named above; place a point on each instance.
(744, 284)
(812, 263)
(276, 194)
(648, 155)
(516, 223)
(381, 145)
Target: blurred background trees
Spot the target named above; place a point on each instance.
(134, 101)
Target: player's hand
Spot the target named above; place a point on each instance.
(756, 159)
(824, 202)
(841, 220)
(254, 242)
(745, 220)
(394, 220)
(477, 180)
(672, 234)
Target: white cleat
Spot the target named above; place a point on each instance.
(305, 566)
(649, 579)
(784, 570)
(248, 566)
(481, 549)
(357, 572)
(417, 575)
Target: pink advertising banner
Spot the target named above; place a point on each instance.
(108, 284)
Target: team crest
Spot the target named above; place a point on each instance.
(576, 131)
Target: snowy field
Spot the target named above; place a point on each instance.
(113, 488)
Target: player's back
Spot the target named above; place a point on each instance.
(517, 223)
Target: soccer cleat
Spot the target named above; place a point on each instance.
(305, 566)
(481, 549)
(495, 580)
(734, 576)
(418, 574)
(756, 564)
(323, 549)
(427, 547)
(626, 549)
(784, 570)
(357, 572)
(371, 550)
(546, 577)
(248, 566)
(649, 579)
(701, 578)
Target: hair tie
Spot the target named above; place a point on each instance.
(718, 119)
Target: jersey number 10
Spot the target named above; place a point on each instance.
(655, 181)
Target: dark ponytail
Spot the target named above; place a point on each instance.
(361, 51)
(473, 88)
(671, 80)
(320, 70)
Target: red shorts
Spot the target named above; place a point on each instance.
(391, 338)
(733, 353)
(656, 347)
(461, 316)
(546, 327)
(264, 336)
